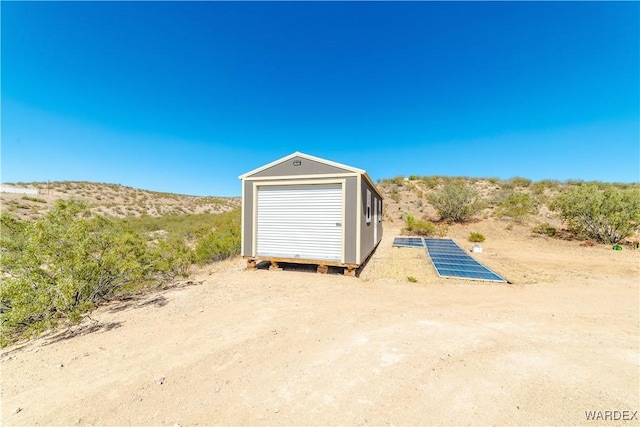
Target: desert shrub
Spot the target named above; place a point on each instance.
(63, 265)
(518, 181)
(177, 226)
(518, 206)
(626, 185)
(456, 202)
(218, 245)
(173, 256)
(476, 237)
(190, 227)
(412, 279)
(551, 183)
(459, 180)
(431, 181)
(442, 230)
(398, 180)
(395, 196)
(419, 227)
(34, 199)
(607, 215)
(544, 228)
(540, 186)
(497, 198)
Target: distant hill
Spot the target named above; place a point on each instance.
(408, 196)
(402, 196)
(109, 199)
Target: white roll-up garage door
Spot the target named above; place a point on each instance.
(300, 221)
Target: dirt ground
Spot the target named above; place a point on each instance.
(235, 347)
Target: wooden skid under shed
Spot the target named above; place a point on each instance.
(323, 266)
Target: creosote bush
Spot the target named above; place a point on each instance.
(419, 227)
(605, 213)
(221, 242)
(431, 181)
(476, 237)
(61, 266)
(545, 228)
(518, 206)
(456, 202)
(518, 181)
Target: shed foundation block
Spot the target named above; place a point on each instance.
(274, 266)
(350, 271)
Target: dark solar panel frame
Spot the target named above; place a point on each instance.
(450, 260)
(408, 242)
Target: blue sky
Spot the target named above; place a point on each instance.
(184, 97)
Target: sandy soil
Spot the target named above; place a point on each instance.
(297, 348)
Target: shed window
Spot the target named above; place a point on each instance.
(380, 211)
(368, 206)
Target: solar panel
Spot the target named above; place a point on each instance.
(408, 242)
(450, 260)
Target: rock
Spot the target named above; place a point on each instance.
(18, 409)
(276, 410)
(60, 366)
(217, 389)
(160, 380)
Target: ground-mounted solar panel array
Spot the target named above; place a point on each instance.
(408, 242)
(449, 259)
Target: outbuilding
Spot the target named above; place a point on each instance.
(308, 210)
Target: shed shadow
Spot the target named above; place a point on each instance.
(304, 268)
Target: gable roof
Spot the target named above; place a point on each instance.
(307, 157)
